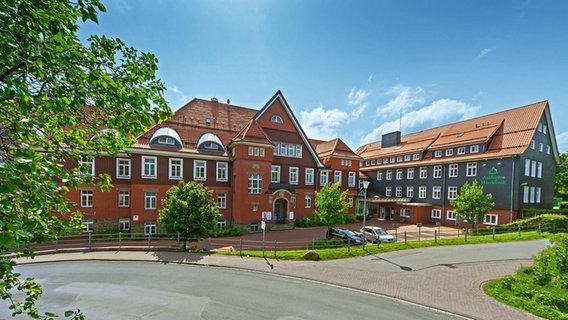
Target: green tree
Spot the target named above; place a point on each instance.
(471, 203)
(189, 209)
(331, 205)
(62, 103)
(561, 182)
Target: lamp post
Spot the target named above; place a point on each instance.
(365, 186)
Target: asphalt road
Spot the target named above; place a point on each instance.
(143, 290)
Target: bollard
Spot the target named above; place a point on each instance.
(120, 240)
(56, 244)
(519, 231)
(404, 237)
(466, 233)
(435, 236)
(493, 232)
(275, 249)
(241, 248)
(90, 241)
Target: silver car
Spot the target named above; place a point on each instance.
(376, 234)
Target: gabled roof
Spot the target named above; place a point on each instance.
(334, 148)
(252, 132)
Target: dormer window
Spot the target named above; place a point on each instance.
(166, 136)
(210, 142)
(166, 140)
(276, 118)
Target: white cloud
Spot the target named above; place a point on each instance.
(370, 79)
(176, 97)
(356, 96)
(562, 141)
(484, 52)
(357, 112)
(406, 98)
(323, 124)
(439, 112)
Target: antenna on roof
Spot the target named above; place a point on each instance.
(400, 121)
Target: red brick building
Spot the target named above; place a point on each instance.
(259, 163)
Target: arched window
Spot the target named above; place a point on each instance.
(276, 118)
(166, 136)
(210, 142)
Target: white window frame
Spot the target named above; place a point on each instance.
(526, 194)
(449, 152)
(437, 172)
(123, 198)
(90, 164)
(149, 167)
(150, 228)
(491, 219)
(307, 201)
(388, 191)
(453, 170)
(533, 168)
(452, 192)
(200, 170)
(471, 170)
(379, 175)
(398, 192)
(409, 191)
(461, 150)
(294, 175)
(123, 224)
(436, 214)
(423, 172)
(309, 176)
(405, 213)
(527, 167)
(337, 177)
(175, 170)
(422, 192)
(88, 225)
(436, 192)
(222, 199)
(438, 154)
(539, 169)
(474, 149)
(538, 194)
(451, 215)
(275, 174)
(532, 194)
(351, 181)
(324, 177)
(540, 147)
(389, 175)
(410, 173)
(222, 171)
(399, 174)
(123, 168)
(255, 183)
(416, 156)
(150, 200)
(86, 198)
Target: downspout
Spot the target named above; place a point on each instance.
(512, 187)
(443, 214)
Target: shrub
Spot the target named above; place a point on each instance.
(226, 232)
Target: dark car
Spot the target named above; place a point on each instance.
(347, 235)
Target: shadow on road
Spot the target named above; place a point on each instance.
(404, 268)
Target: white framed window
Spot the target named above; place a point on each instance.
(526, 194)
(423, 172)
(452, 193)
(309, 176)
(276, 118)
(123, 224)
(407, 157)
(379, 175)
(453, 170)
(405, 213)
(352, 179)
(288, 150)
(88, 225)
(122, 168)
(337, 177)
(149, 167)
(437, 173)
(350, 201)
(398, 192)
(254, 226)
(389, 175)
(255, 206)
(222, 200)
(410, 173)
(547, 149)
(373, 162)
(540, 147)
(449, 152)
(544, 129)
(474, 149)
(461, 150)
(450, 215)
(399, 159)
(490, 219)
(437, 153)
(533, 168)
(175, 168)
(436, 192)
(422, 192)
(539, 127)
(399, 174)
(221, 224)
(222, 171)
(87, 166)
(471, 169)
(392, 159)
(416, 156)
(436, 214)
(538, 194)
(275, 174)
(294, 175)
(388, 192)
(533, 144)
(539, 169)
(308, 201)
(86, 198)
(527, 167)
(123, 198)
(149, 228)
(199, 170)
(410, 191)
(324, 177)
(255, 183)
(150, 200)
(532, 194)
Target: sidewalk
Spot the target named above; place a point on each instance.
(445, 278)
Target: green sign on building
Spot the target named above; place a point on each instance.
(493, 178)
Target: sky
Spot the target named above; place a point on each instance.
(356, 69)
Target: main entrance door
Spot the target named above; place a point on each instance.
(280, 211)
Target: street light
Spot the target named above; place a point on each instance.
(365, 186)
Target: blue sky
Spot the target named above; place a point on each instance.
(349, 69)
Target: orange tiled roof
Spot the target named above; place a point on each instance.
(253, 132)
(333, 148)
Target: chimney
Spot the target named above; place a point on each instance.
(228, 101)
(214, 99)
(390, 139)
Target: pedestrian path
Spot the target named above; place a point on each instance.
(446, 278)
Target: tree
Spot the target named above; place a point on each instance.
(62, 103)
(190, 210)
(561, 182)
(472, 203)
(331, 205)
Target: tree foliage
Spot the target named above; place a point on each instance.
(471, 203)
(561, 182)
(62, 102)
(189, 209)
(331, 205)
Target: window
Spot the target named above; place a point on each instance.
(471, 169)
(399, 173)
(398, 192)
(256, 152)
(199, 169)
(88, 225)
(255, 206)
(407, 157)
(222, 171)
(149, 228)
(166, 140)
(436, 214)
(150, 200)
(410, 173)
(461, 150)
(490, 219)
(149, 167)
(373, 162)
(423, 172)
(309, 176)
(276, 118)
(537, 194)
(452, 193)
(540, 147)
(222, 200)
(337, 177)
(324, 177)
(527, 167)
(255, 183)
(352, 179)
(87, 167)
(533, 168)
(544, 128)
(379, 175)
(405, 213)
(474, 149)
(221, 224)
(275, 174)
(416, 156)
(422, 192)
(288, 150)
(86, 198)
(453, 170)
(123, 168)
(123, 224)
(449, 152)
(533, 144)
(308, 201)
(539, 127)
(539, 170)
(389, 175)
(532, 194)
(388, 191)
(392, 160)
(410, 192)
(399, 159)
(123, 198)
(526, 194)
(450, 215)
(438, 153)
(176, 168)
(547, 149)
(254, 227)
(347, 163)
(294, 175)
(436, 192)
(437, 172)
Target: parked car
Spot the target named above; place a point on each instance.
(376, 234)
(347, 235)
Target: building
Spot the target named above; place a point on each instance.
(513, 154)
(259, 164)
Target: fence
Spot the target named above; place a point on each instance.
(134, 241)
